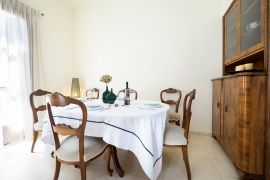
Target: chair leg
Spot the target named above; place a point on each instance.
(57, 169)
(83, 171)
(109, 160)
(185, 157)
(35, 136)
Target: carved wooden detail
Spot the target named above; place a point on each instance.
(35, 111)
(132, 91)
(175, 102)
(96, 90)
(59, 100)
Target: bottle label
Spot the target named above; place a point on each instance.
(127, 96)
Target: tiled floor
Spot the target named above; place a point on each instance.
(207, 161)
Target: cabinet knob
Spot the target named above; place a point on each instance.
(226, 108)
(218, 104)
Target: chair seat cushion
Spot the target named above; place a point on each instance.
(69, 149)
(38, 126)
(173, 116)
(174, 135)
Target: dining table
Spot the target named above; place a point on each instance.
(138, 127)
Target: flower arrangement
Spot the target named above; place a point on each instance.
(106, 79)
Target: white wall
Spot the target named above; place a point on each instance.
(153, 44)
(56, 42)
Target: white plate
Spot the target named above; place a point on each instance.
(152, 105)
(95, 107)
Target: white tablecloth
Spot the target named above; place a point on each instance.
(128, 127)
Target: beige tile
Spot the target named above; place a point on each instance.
(229, 178)
(207, 161)
(226, 168)
(202, 164)
(174, 172)
(198, 175)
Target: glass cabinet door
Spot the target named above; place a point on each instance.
(250, 23)
(231, 33)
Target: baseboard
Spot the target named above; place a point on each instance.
(200, 133)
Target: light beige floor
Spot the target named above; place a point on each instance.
(207, 160)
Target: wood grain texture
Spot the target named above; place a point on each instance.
(241, 56)
(267, 55)
(216, 105)
(252, 117)
(242, 120)
(230, 117)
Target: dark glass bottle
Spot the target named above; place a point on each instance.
(127, 95)
(105, 93)
(111, 97)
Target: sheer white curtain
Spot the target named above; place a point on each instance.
(20, 64)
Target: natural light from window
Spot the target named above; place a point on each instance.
(13, 47)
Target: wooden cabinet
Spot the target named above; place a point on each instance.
(230, 116)
(245, 35)
(239, 98)
(239, 121)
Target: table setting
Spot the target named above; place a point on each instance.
(138, 127)
(134, 125)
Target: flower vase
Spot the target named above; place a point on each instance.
(104, 95)
(111, 97)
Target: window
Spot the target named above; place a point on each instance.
(14, 69)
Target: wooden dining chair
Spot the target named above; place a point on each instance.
(132, 93)
(76, 149)
(173, 99)
(177, 136)
(92, 90)
(37, 123)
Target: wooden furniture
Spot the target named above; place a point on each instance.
(89, 92)
(267, 168)
(240, 98)
(123, 127)
(177, 136)
(174, 117)
(239, 113)
(37, 124)
(76, 149)
(245, 35)
(132, 93)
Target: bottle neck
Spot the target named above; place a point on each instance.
(126, 85)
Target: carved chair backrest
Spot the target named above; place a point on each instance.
(132, 93)
(59, 100)
(35, 110)
(187, 111)
(171, 102)
(95, 90)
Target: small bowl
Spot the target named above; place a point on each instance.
(240, 68)
(249, 66)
